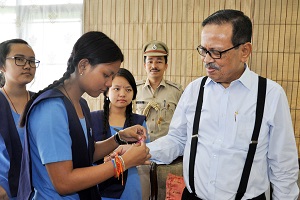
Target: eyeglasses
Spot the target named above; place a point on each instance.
(213, 53)
(21, 61)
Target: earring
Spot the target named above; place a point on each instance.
(106, 98)
(81, 74)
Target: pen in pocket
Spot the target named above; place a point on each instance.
(235, 115)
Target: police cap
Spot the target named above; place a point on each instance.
(156, 48)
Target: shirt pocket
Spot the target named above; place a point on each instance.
(244, 126)
(167, 110)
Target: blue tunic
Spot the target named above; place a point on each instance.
(11, 142)
(58, 136)
(112, 189)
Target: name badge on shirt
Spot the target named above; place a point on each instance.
(140, 102)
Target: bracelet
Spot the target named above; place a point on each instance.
(119, 168)
(115, 166)
(123, 163)
(119, 140)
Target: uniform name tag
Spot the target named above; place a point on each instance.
(140, 102)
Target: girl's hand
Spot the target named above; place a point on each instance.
(3, 194)
(133, 134)
(136, 154)
(118, 151)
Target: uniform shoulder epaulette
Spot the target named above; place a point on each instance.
(176, 85)
(140, 82)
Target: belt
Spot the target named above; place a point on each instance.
(186, 195)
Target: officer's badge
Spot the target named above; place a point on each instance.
(154, 47)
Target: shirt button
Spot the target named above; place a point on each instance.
(152, 119)
(151, 132)
(214, 156)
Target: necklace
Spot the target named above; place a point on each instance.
(11, 100)
(63, 86)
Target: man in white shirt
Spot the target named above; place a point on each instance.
(227, 121)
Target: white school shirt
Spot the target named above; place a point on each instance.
(225, 131)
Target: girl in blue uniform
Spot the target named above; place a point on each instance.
(59, 133)
(116, 115)
(17, 66)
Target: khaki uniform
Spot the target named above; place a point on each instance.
(158, 107)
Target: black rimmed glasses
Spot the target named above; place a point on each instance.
(215, 54)
(21, 61)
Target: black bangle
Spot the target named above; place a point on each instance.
(118, 139)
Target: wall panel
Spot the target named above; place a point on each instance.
(132, 23)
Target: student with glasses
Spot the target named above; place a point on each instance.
(238, 138)
(18, 66)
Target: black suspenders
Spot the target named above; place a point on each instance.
(262, 85)
(260, 105)
(195, 136)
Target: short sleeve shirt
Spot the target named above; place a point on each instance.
(50, 142)
(164, 100)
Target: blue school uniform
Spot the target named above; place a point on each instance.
(112, 189)
(56, 134)
(11, 147)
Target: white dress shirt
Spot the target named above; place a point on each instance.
(225, 131)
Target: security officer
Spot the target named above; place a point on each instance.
(157, 98)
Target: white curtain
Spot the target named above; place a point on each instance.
(51, 27)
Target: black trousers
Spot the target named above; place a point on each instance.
(188, 196)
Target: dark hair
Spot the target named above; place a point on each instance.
(5, 48)
(129, 77)
(2, 80)
(94, 46)
(166, 59)
(241, 24)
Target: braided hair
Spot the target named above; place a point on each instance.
(129, 121)
(2, 80)
(94, 46)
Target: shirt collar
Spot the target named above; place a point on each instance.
(245, 78)
(162, 83)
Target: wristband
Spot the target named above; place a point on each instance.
(118, 139)
(123, 163)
